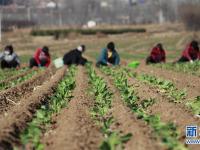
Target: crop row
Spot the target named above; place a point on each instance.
(13, 83)
(192, 68)
(167, 132)
(167, 87)
(100, 112)
(65, 32)
(42, 119)
(194, 105)
(10, 72)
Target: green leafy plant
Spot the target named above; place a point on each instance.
(115, 141)
(194, 105)
(7, 73)
(165, 86)
(189, 68)
(166, 131)
(43, 116)
(147, 102)
(13, 83)
(100, 110)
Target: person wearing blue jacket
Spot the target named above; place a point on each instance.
(109, 56)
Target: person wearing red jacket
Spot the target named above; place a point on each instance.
(191, 53)
(41, 58)
(157, 55)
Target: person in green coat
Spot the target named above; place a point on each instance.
(109, 56)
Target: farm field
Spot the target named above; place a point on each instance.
(74, 108)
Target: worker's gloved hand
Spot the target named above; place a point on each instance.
(18, 67)
(109, 64)
(191, 61)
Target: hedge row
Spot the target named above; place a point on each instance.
(49, 32)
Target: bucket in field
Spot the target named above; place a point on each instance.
(58, 62)
(134, 64)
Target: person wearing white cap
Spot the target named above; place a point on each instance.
(75, 56)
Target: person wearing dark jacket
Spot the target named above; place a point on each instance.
(157, 55)
(191, 53)
(75, 56)
(9, 58)
(109, 56)
(41, 58)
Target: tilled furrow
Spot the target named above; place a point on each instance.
(143, 137)
(17, 118)
(74, 128)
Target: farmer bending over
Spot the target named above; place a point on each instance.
(41, 58)
(75, 56)
(109, 56)
(9, 58)
(191, 53)
(157, 55)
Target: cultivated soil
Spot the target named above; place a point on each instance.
(17, 118)
(15, 77)
(182, 81)
(168, 111)
(126, 122)
(12, 96)
(74, 128)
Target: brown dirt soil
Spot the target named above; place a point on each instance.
(168, 111)
(16, 119)
(182, 81)
(127, 122)
(74, 129)
(12, 96)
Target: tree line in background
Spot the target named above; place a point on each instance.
(76, 13)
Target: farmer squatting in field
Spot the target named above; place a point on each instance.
(41, 58)
(109, 56)
(75, 56)
(191, 53)
(158, 55)
(9, 58)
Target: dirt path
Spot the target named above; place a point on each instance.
(168, 111)
(16, 120)
(143, 138)
(12, 96)
(74, 128)
(182, 81)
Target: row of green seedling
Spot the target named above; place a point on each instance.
(13, 83)
(172, 92)
(100, 112)
(169, 88)
(42, 120)
(7, 73)
(194, 105)
(167, 132)
(165, 86)
(191, 68)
